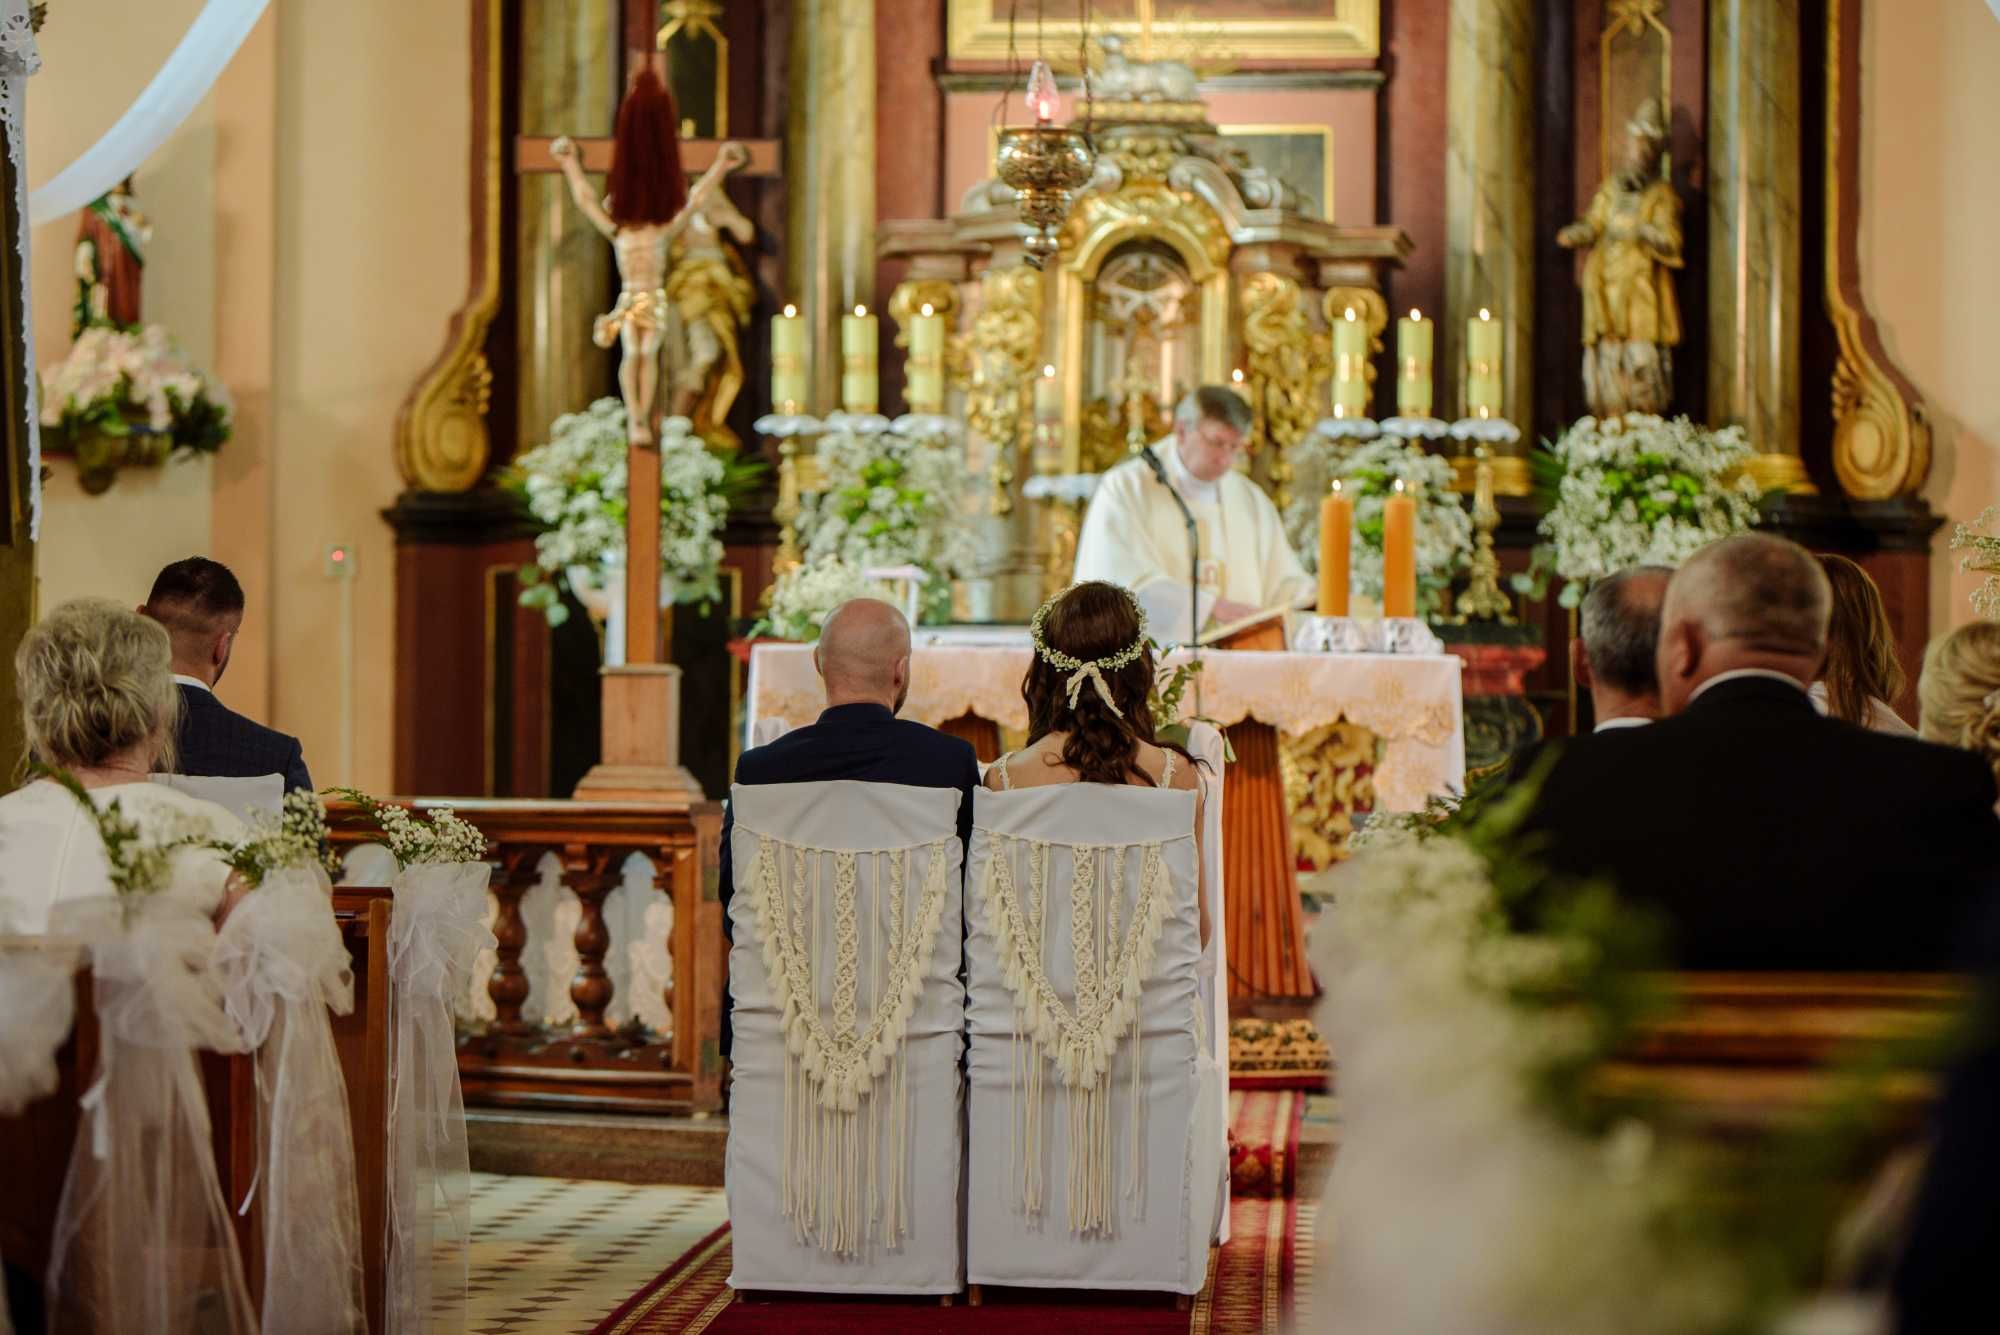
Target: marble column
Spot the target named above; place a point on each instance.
(565, 275)
(830, 180)
(1753, 231)
(1490, 209)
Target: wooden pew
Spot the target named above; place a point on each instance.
(35, 1146)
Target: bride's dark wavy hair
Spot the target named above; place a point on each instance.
(1094, 620)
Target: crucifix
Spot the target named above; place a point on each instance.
(648, 206)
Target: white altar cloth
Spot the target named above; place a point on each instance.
(1413, 702)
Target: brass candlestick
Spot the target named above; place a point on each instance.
(1483, 599)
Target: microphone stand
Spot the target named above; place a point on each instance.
(1159, 470)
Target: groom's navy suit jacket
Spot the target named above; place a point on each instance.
(861, 742)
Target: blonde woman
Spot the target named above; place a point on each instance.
(1959, 692)
(1861, 674)
(98, 700)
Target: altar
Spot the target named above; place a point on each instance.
(1277, 709)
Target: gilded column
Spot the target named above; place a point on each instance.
(1753, 231)
(564, 275)
(830, 179)
(1490, 208)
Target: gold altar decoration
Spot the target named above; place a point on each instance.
(1635, 63)
(1044, 165)
(690, 25)
(1483, 599)
(442, 440)
(1329, 777)
(1285, 370)
(1006, 348)
(710, 296)
(1338, 30)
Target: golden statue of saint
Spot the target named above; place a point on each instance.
(709, 295)
(1631, 321)
(649, 206)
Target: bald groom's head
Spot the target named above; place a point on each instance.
(864, 654)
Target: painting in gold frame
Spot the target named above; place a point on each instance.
(1299, 155)
(1301, 30)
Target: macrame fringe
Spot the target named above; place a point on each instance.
(830, 1155)
(1080, 1044)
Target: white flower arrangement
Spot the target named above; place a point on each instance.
(295, 837)
(1638, 490)
(576, 485)
(120, 382)
(438, 836)
(1368, 471)
(801, 599)
(1982, 556)
(890, 498)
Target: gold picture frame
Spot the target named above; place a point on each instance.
(1274, 158)
(977, 29)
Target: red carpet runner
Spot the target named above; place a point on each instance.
(1252, 1282)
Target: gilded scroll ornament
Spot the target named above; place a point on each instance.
(1148, 209)
(1329, 777)
(912, 295)
(1006, 336)
(1282, 370)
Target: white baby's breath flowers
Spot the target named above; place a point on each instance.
(889, 498)
(1368, 471)
(803, 597)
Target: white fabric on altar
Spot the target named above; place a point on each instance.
(1413, 702)
(845, 1140)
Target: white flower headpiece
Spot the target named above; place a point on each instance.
(1093, 671)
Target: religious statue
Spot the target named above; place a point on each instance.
(1122, 79)
(710, 296)
(110, 260)
(649, 205)
(1631, 321)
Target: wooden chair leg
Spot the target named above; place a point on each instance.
(946, 1299)
(1182, 1302)
(973, 1296)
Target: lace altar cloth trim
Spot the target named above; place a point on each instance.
(833, 1061)
(1413, 702)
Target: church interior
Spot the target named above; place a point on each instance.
(355, 299)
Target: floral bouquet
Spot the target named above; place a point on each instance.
(575, 486)
(128, 396)
(803, 597)
(1368, 472)
(442, 836)
(1982, 556)
(1636, 490)
(295, 837)
(891, 498)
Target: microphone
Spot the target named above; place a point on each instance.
(1159, 471)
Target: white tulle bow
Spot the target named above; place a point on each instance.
(1089, 671)
(38, 997)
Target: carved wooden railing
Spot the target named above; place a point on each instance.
(511, 1061)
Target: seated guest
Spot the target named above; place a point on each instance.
(863, 658)
(1861, 673)
(201, 605)
(1958, 695)
(1088, 721)
(1613, 656)
(98, 700)
(1766, 836)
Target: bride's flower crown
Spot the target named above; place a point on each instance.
(1094, 670)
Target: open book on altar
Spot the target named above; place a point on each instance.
(1259, 630)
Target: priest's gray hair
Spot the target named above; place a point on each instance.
(1215, 403)
(1754, 587)
(1621, 627)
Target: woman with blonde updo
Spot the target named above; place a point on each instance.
(1959, 693)
(1087, 690)
(98, 700)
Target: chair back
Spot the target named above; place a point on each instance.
(767, 730)
(245, 799)
(846, 919)
(1205, 744)
(1095, 1157)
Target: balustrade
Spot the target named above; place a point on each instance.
(519, 1059)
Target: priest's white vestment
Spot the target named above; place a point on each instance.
(1134, 535)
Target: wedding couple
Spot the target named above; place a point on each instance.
(1088, 721)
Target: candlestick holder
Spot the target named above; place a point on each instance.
(789, 429)
(1313, 634)
(1348, 428)
(1471, 432)
(1483, 599)
(1416, 428)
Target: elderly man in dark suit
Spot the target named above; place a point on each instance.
(201, 605)
(864, 659)
(1764, 835)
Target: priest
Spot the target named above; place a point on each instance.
(1135, 534)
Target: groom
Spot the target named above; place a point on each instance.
(863, 657)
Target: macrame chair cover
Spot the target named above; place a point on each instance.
(436, 931)
(143, 1241)
(1205, 744)
(283, 965)
(845, 1140)
(1095, 1156)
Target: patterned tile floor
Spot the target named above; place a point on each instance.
(551, 1256)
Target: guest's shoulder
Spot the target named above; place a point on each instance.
(242, 723)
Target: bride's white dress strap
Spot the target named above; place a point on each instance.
(1167, 774)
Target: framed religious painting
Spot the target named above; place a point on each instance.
(1299, 155)
(1199, 31)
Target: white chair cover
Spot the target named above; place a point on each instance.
(435, 934)
(845, 1139)
(1205, 743)
(143, 1241)
(283, 964)
(767, 730)
(245, 799)
(1089, 1057)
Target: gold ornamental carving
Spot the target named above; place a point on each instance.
(1145, 152)
(442, 439)
(1283, 370)
(1006, 338)
(941, 295)
(1329, 776)
(1372, 309)
(1145, 208)
(1881, 433)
